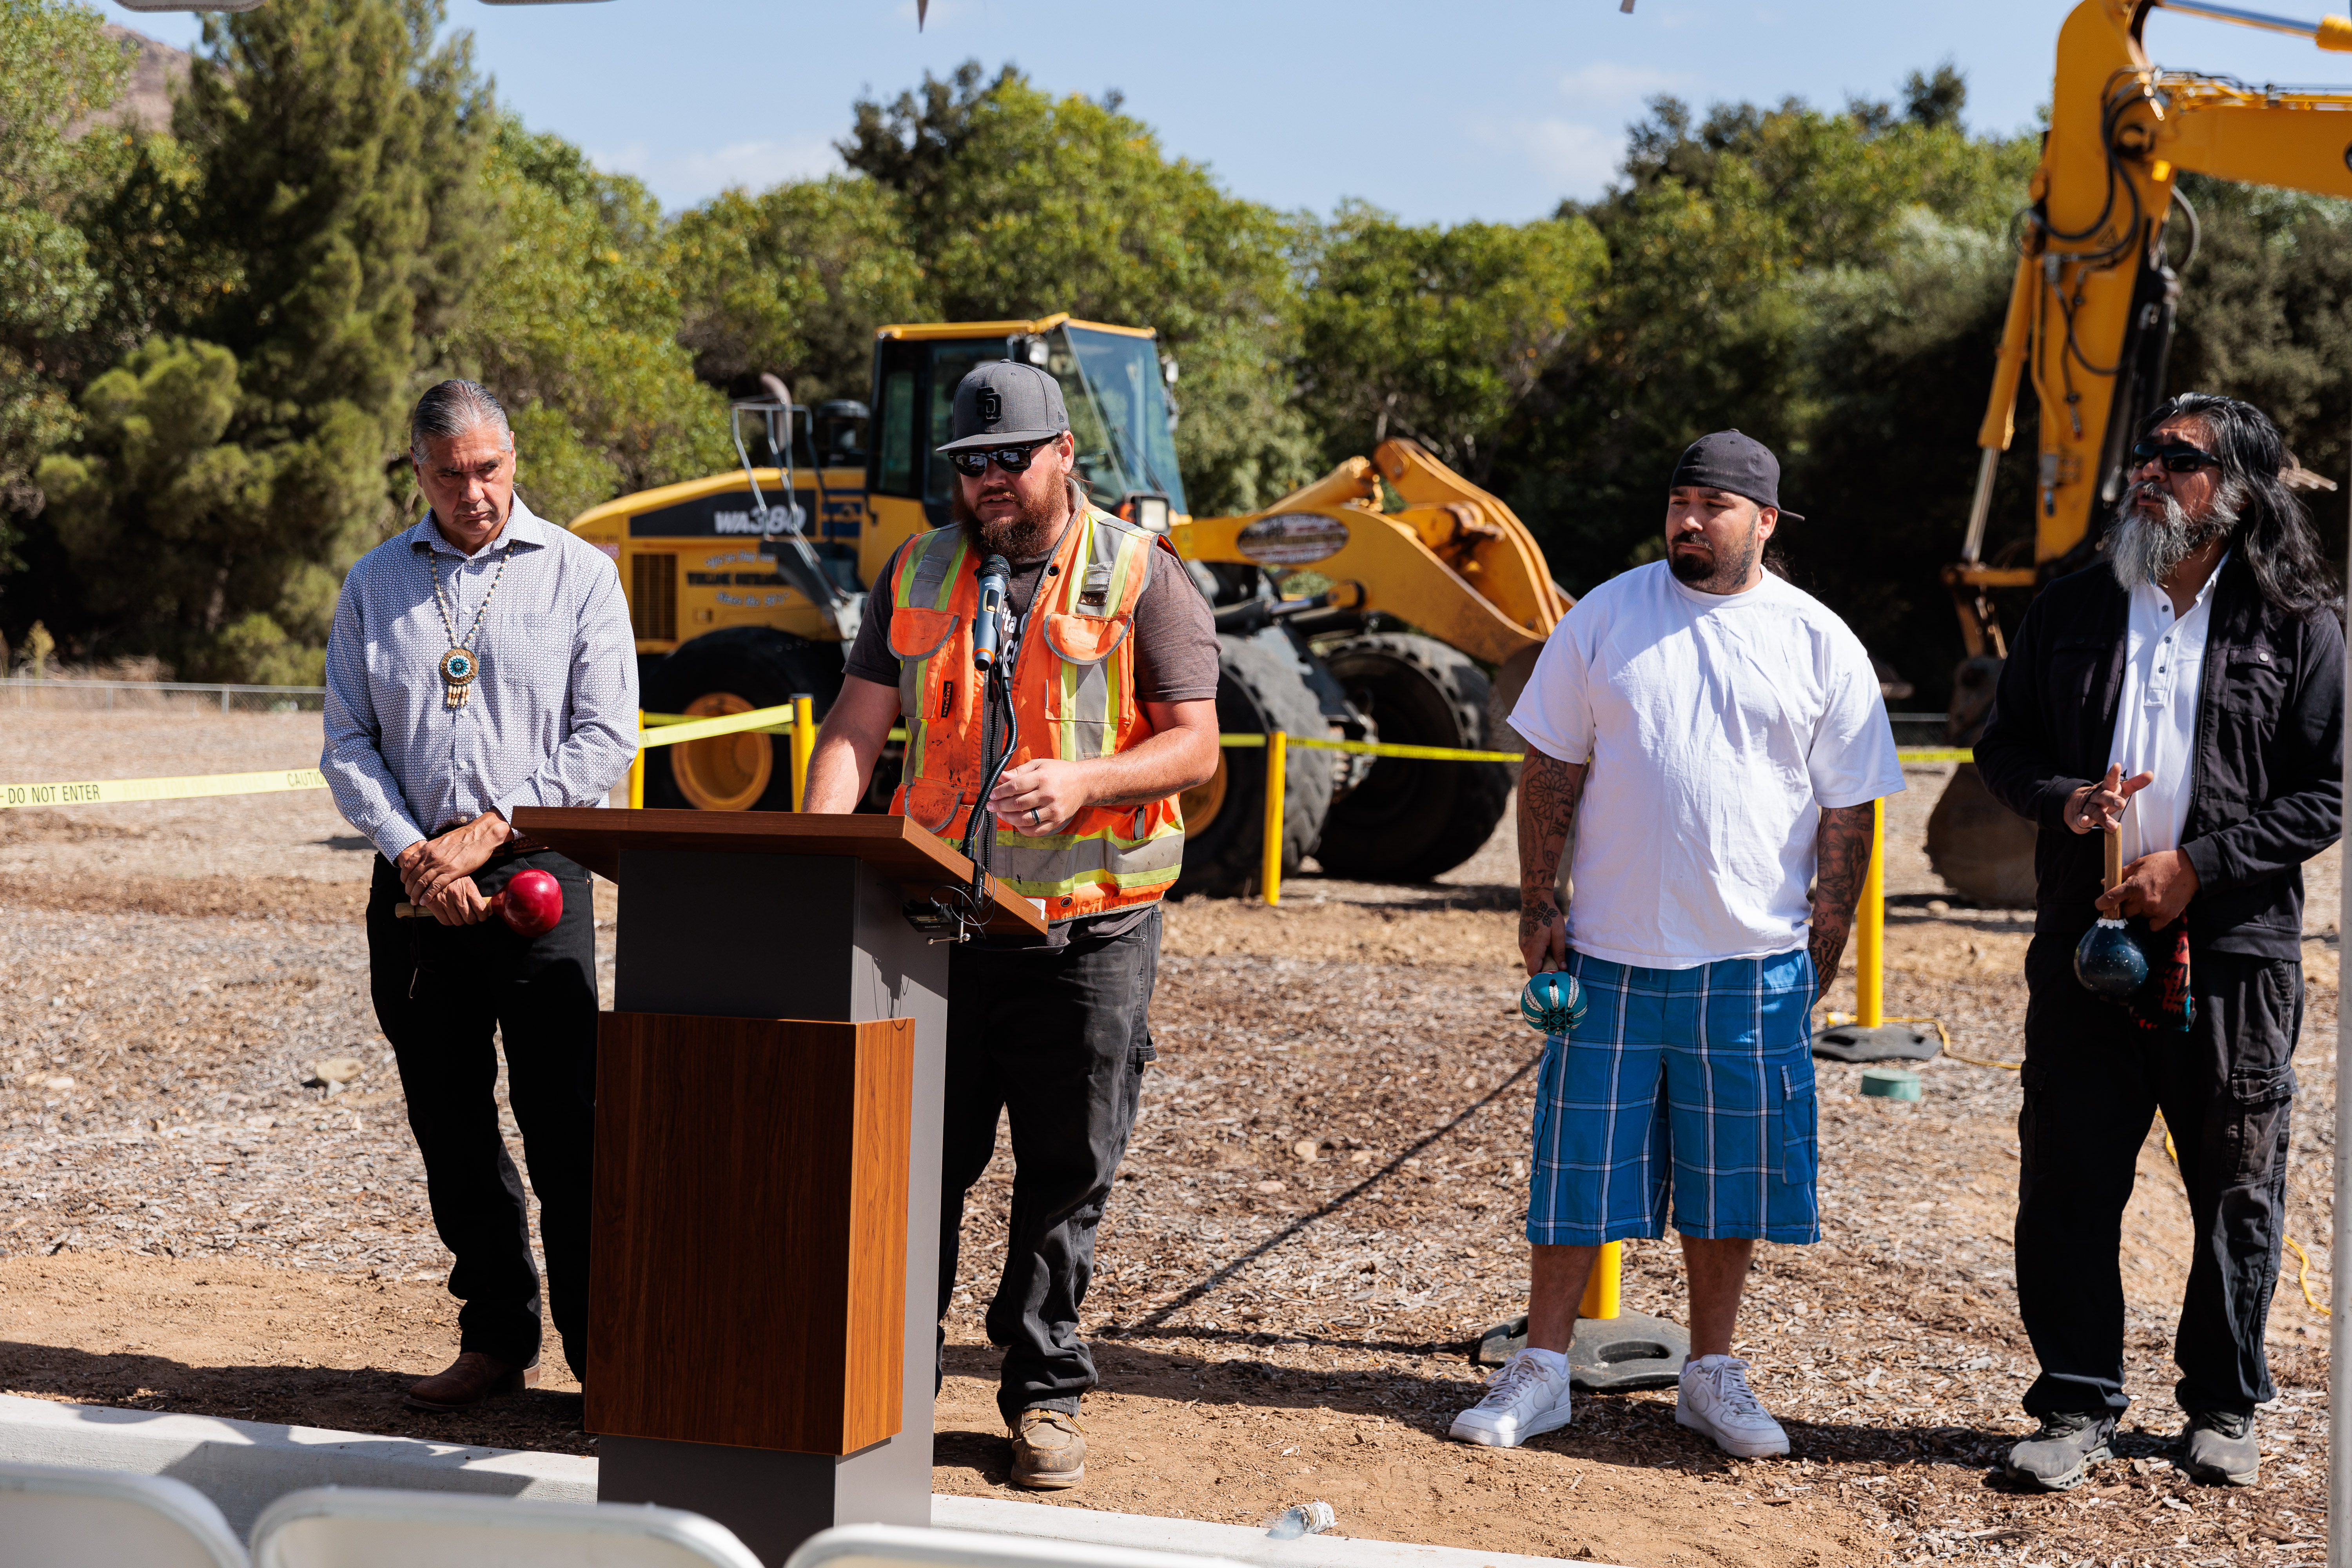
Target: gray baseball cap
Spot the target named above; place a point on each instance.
(1005, 403)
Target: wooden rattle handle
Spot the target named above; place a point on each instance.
(2115, 836)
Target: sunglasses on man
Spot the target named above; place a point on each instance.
(2178, 456)
(1012, 460)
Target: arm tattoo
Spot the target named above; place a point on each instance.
(1842, 854)
(1549, 791)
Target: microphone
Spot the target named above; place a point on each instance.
(988, 626)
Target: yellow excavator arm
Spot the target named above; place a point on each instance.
(2091, 310)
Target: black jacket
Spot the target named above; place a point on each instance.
(2268, 790)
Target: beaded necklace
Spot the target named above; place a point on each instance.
(461, 665)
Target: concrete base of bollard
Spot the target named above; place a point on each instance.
(1608, 1355)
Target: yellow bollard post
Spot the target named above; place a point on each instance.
(1277, 778)
(1869, 942)
(638, 767)
(1603, 1288)
(803, 744)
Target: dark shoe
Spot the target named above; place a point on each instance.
(1049, 1450)
(2069, 1442)
(471, 1379)
(2218, 1448)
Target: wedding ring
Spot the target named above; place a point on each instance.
(1033, 818)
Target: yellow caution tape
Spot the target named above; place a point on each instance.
(105, 792)
(676, 729)
(1378, 749)
(672, 728)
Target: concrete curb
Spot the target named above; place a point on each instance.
(244, 1466)
(1240, 1542)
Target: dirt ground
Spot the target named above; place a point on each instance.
(1321, 1207)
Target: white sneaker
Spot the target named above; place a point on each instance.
(1715, 1399)
(1524, 1398)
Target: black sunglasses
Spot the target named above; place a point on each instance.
(2178, 456)
(1012, 460)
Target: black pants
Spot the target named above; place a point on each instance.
(439, 992)
(2093, 1081)
(1057, 1038)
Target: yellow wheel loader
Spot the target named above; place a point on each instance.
(1370, 605)
(2090, 321)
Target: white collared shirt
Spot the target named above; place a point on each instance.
(2156, 715)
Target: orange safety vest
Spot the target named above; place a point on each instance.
(1072, 695)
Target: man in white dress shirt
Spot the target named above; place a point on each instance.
(479, 662)
(2190, 691)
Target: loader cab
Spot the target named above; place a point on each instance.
(1113, 382)
(837, 434)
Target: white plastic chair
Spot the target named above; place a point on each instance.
(52, 1517)
(900, 1546)
(368, 1527)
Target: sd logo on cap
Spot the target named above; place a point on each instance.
(1004, 404)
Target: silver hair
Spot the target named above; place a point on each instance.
(453, 407)
(2140, 552)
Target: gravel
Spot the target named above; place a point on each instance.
(1320, 1210)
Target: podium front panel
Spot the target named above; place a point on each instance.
(749, 1268)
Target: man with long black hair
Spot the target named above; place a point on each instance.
(2187, 691)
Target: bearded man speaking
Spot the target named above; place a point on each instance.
(1114, 688)
(2188, 691)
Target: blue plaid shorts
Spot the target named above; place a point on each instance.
(1694, 1081)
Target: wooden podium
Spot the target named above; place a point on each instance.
(764, 1257)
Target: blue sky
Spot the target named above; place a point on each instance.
(1439, 112)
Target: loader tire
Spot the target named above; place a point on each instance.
(1982, 849)
(1261, 686)
(1411, 821)
(733, 671)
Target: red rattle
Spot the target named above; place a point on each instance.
(531, 904)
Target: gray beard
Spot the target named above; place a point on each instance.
(2141, 552)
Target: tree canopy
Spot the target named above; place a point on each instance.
(208, 337)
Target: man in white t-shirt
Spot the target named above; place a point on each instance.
(1724, 735)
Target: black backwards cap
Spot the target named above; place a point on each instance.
(1728, 460)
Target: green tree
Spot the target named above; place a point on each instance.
(1439, 335)
(1020, 205)
(575, 325)
(795, 280)
(61, 68)
(1832, 283)
(332, 190)
(2266, 315)
(166, 524)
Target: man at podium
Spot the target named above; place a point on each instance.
(1113, 660)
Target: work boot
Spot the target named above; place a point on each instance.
(471, 1379)
(2069, 1444)
(1049, 1450)
(2218, 1448)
